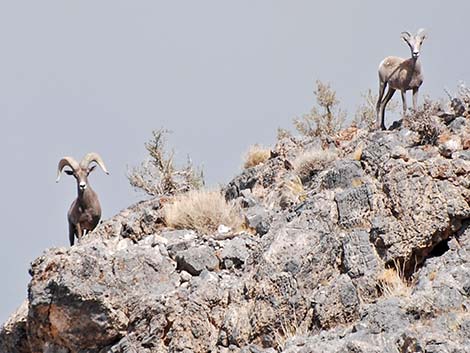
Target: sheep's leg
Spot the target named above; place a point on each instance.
(387, 98)
(71, 234)
(403, 99)
(79, 231)
(379, 101)
(415, 98)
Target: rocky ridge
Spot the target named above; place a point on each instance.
(368, 253)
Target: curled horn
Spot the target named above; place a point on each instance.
(93, 157)
(405, 35)
(66, 161)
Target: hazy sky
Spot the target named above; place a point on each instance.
(81, 76)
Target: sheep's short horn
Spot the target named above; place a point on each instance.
(66, 161)
(421, 33)
(406, 35)
(93, 157)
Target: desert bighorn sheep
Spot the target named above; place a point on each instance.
(402, 74)
(85, 211)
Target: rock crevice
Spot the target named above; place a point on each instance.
(368, 255)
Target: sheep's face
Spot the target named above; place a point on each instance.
(81, 175)
(414, 42)
(80, 171)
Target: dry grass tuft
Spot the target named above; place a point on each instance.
(393, 283)
(201, 210)
(312, 161)
(256, 155)
(287, 330)
(291, 191)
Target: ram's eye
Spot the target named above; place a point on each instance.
(68, 172)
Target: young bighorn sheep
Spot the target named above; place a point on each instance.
(85, 211)
(401, 74)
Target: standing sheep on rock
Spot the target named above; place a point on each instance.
(85, 212)
(402, 74)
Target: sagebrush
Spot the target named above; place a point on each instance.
(462, 104)
(323, 120)
(158, 176)
(425, 122)
(282, 134)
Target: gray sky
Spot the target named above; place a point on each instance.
(100, 75)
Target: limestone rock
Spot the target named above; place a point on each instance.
(307, 275)
(197, 259)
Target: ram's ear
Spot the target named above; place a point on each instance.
(68, 172)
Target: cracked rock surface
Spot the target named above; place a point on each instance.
(370, 254)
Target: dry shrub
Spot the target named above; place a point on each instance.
(462, 106)
(282, 134)
(459, 104)
(366, 114)
(309, 162)
(324, 120)
(158, 176)
(201, 210)
(393, 282)
(425, 123)
(256, 155)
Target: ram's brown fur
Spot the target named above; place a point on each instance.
(85, 212)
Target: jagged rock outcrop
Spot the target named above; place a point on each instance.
(370, 254)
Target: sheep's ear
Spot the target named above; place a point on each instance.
(406, 36)
(68, 172)
(421, 33)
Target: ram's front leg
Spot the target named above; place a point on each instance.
(79, 229)
(71, 233)
(403, 99)
(415, 98)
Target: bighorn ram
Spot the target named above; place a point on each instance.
(402, 74)
(85, 211)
